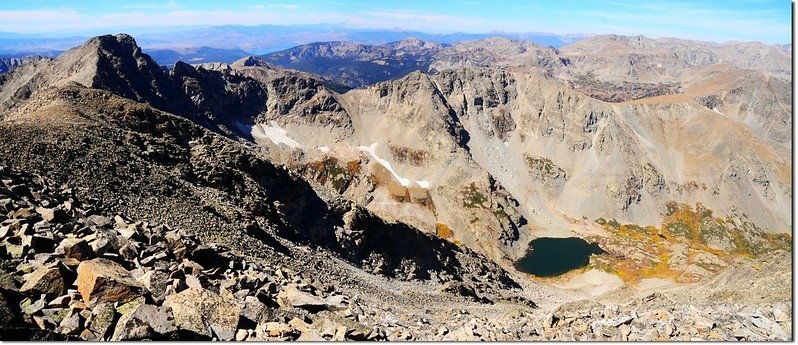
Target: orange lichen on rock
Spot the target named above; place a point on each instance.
(443, 231)
(635, 252)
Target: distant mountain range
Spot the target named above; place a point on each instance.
(356, 64)
(9, 63)
(651, 66)
(267, 38)
(231, 42)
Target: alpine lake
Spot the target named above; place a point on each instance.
(549, 257)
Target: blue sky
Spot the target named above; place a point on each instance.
(768, 21)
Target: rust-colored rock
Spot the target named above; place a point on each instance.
(102, 280)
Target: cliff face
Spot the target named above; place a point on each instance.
(561, 155)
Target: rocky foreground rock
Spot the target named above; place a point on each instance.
(71, 271)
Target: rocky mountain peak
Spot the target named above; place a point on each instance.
(499, 40)
(503, 41)
(182, 70)
(111, 55)
(251, 61)
(326, 49)
(412, 41)
(412, 82)
(414, 44)
(488, 51)
(110, 62)
(120, 45)
(121, 39)
(605, 43)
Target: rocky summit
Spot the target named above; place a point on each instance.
(341, 191)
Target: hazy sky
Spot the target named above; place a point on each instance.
(768, 21)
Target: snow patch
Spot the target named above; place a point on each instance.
(274, 133)
(371, 150)
(506, 144)
(716, 110)
(423, 184)
(324, 149)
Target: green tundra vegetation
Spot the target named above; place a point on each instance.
(473, 198)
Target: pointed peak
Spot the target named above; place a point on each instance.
(251, 61)
(114, 42)
(413, 41)
(182, 68)
(418, 78)
(125, 38)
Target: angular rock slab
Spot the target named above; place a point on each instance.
(102, 280)
(291, 297)
(102, 319)
(48, 280)
(204, 312)
(76, 248)
(146, 321)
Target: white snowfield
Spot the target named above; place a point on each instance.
(372, 151)
(324, 149)
(402, 180)
(274, 133)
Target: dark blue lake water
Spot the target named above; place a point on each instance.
(548, 257)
